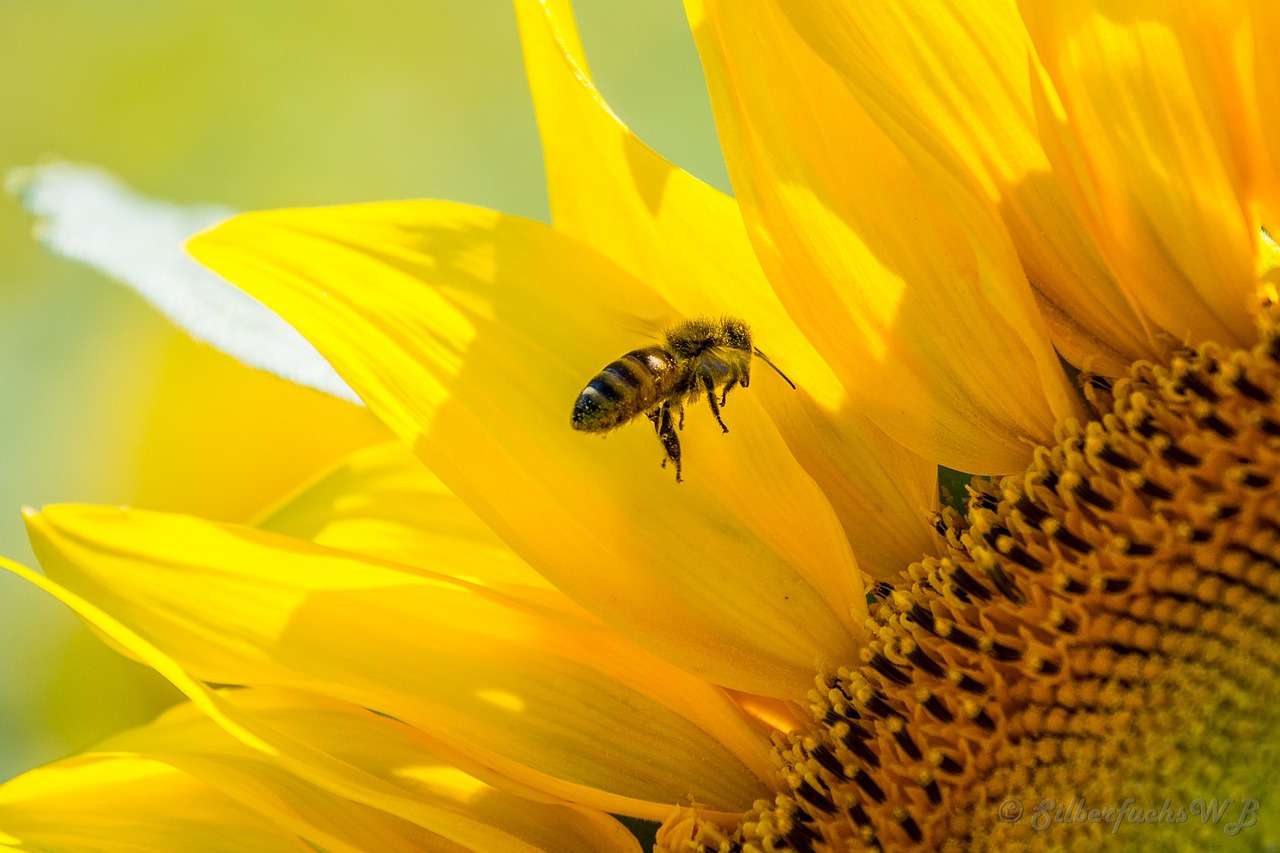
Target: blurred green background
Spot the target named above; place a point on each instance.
(254, 105)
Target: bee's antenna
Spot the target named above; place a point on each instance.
(766, 360)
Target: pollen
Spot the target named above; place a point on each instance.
(1092, 662)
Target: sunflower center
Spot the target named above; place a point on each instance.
(1090, 664)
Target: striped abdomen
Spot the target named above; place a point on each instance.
(625, 389)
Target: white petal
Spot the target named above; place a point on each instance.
(86, 214)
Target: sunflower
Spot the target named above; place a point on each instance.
(1026, 242)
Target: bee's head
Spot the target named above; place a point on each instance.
(737, 334)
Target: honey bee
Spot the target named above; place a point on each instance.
(703, 355)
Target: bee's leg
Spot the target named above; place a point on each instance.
(654, 419)
(681, 417)
(670, 440)
(710, 385)
(724, 395)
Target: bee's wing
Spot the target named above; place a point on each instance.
(650, 328)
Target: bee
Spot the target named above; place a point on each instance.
(701, 356)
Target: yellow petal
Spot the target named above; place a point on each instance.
(222, 441)
(688, 242)
(958, 72)
(122, 804)
(1150, 140)
(392, 751)
(383, 502)
(331, 772)
(882, 246)
(470, 333)
(559, 705)
(1266, 77)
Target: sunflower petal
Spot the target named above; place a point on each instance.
(126, 804)
(1266, 81)
(882, 246)
(687, 240)
(186, 738)
(375, 787)
(1160, 177)
(382, 502)
(470, 333)
(529, 691)
(960, 75)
